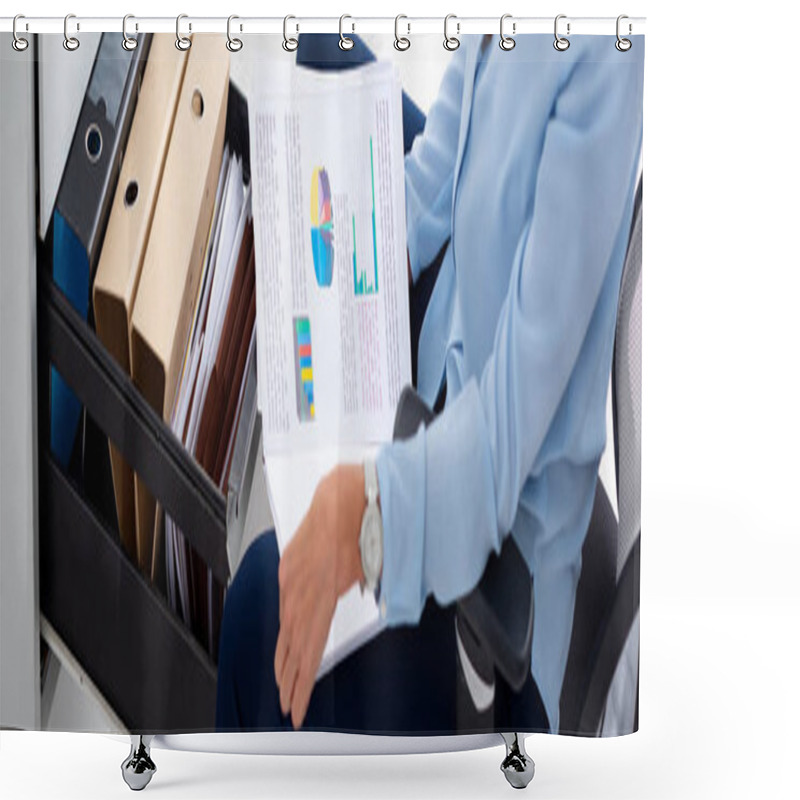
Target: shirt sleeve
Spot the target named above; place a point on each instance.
(450, 494)
(429, 168)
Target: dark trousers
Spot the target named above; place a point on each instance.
(404, 681)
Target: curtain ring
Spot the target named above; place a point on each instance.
(507, 42)
(451, 42)
(19, 43)
(401, 43)
(182, 42)
(561, 43)
(234, 44)
(71, 43)
(128, 42)
(345, 42)
(289, 42)
(623, 45)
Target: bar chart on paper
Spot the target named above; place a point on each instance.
(365, 276)
(303, 370)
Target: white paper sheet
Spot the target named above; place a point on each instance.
(333, 341)
(231, 212)
(291, 481)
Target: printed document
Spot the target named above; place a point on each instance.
(332, 323)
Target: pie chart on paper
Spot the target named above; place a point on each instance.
(322, 226)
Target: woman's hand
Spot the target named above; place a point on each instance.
(321, 563)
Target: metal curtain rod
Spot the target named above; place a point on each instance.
(275, 25)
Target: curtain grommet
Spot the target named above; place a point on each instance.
(451, 43)
(561, 43)
(345, 42)
(19, 43)
(182, 42)
(401, 43)
(622, 44)
(71, 43)
(507, 42)
(234, 44)
(129, 43)
(289, 43)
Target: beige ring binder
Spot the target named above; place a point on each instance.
(128, 232)
(168, 286)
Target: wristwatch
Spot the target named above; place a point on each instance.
(370, 541)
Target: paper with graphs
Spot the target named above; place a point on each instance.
(333, 342)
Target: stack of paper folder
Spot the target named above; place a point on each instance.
(208, 403)
(173, 298)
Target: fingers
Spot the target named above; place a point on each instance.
(317, 636)
(286, 567)
(289, 647)
(298, 670)
(280, 656)
(286, 649)
(301, 696)
(307, 597)
(286, 582)
(288, 680)
(281, 648)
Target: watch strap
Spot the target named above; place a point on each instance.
(370, 480)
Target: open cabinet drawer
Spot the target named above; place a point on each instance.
(149, 666)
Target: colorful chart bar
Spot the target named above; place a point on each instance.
(303, 369)
(362, 283)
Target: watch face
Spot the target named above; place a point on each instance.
(372, 546)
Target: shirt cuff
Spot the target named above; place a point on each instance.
(401, 482)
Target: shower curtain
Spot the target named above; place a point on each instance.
(339, 363)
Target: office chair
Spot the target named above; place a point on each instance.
(496, 634)
(495, 621)
(604, 651)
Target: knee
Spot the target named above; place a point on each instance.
(249, 633)
(251, 604)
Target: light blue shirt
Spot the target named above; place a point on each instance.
(528, 166)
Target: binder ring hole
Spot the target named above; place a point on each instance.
(197, 103)
(131, 193)
(94, 143)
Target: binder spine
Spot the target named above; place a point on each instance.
(84, 200)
